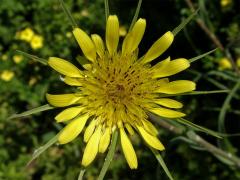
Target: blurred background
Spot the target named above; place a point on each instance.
(40, 27)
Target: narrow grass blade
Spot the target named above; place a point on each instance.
(198, 128)
(41, 60)
(201, 56)
(109, 156)
(68, 14)
(162, 163)
(136, 14)
(82, 171)
(32, 111)
(43, 148)
(106, 9)
(184, 23)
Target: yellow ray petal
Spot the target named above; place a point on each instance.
(128, 150)
(85, 43)
(173, 67)
(134, 37)
(62, 100)
(112, 34)
(129, 129)
(73, 129)
(150, 128)
(91, 149)
(89, 130)
(105, 140)
(175, 87)
(164, 112)
(150, 140)
(98, 44)
(159, 47)
(72, 81)
(64, 67)
(68, 114)
(170, 103)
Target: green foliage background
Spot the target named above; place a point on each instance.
(20, 137)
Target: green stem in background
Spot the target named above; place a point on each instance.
(109, 156)
(136, 14)
(222, 115)
(180, 130)
(162, 163)
(82, 171)
(69, 15)
(106, 9)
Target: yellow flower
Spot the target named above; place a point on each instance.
(7, 75)
(26, 35)
(36, 42)
(225, 3)
(4, 57)
(117, 90)
(32, 81)
(238, 62)
(122, 31)
(17, 58)
(224, 63)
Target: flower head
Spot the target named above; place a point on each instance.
(36, 42)
(224, 63)
(117, 90)
(17, 58)
(26, 34)
(7, 75)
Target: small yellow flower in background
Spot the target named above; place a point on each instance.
(7, 75)
(4, 57)
(225, 3)
(118, 89)
(224, 63)
(122, 31)
(17, 58)
(32, 81)
(36, 42)
(85, 13)
(69, 34)
(26, 34)
(238, 62)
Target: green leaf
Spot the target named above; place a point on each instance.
(136, 14)
(106, 5)
(32, 111)
(43, 148)
(184, 23)
(68, 14)
(109, 156)
(201, 56)
(198, 128)
(162, 163)
(35, 58)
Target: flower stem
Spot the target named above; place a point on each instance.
(109, 156)
(82, 171)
